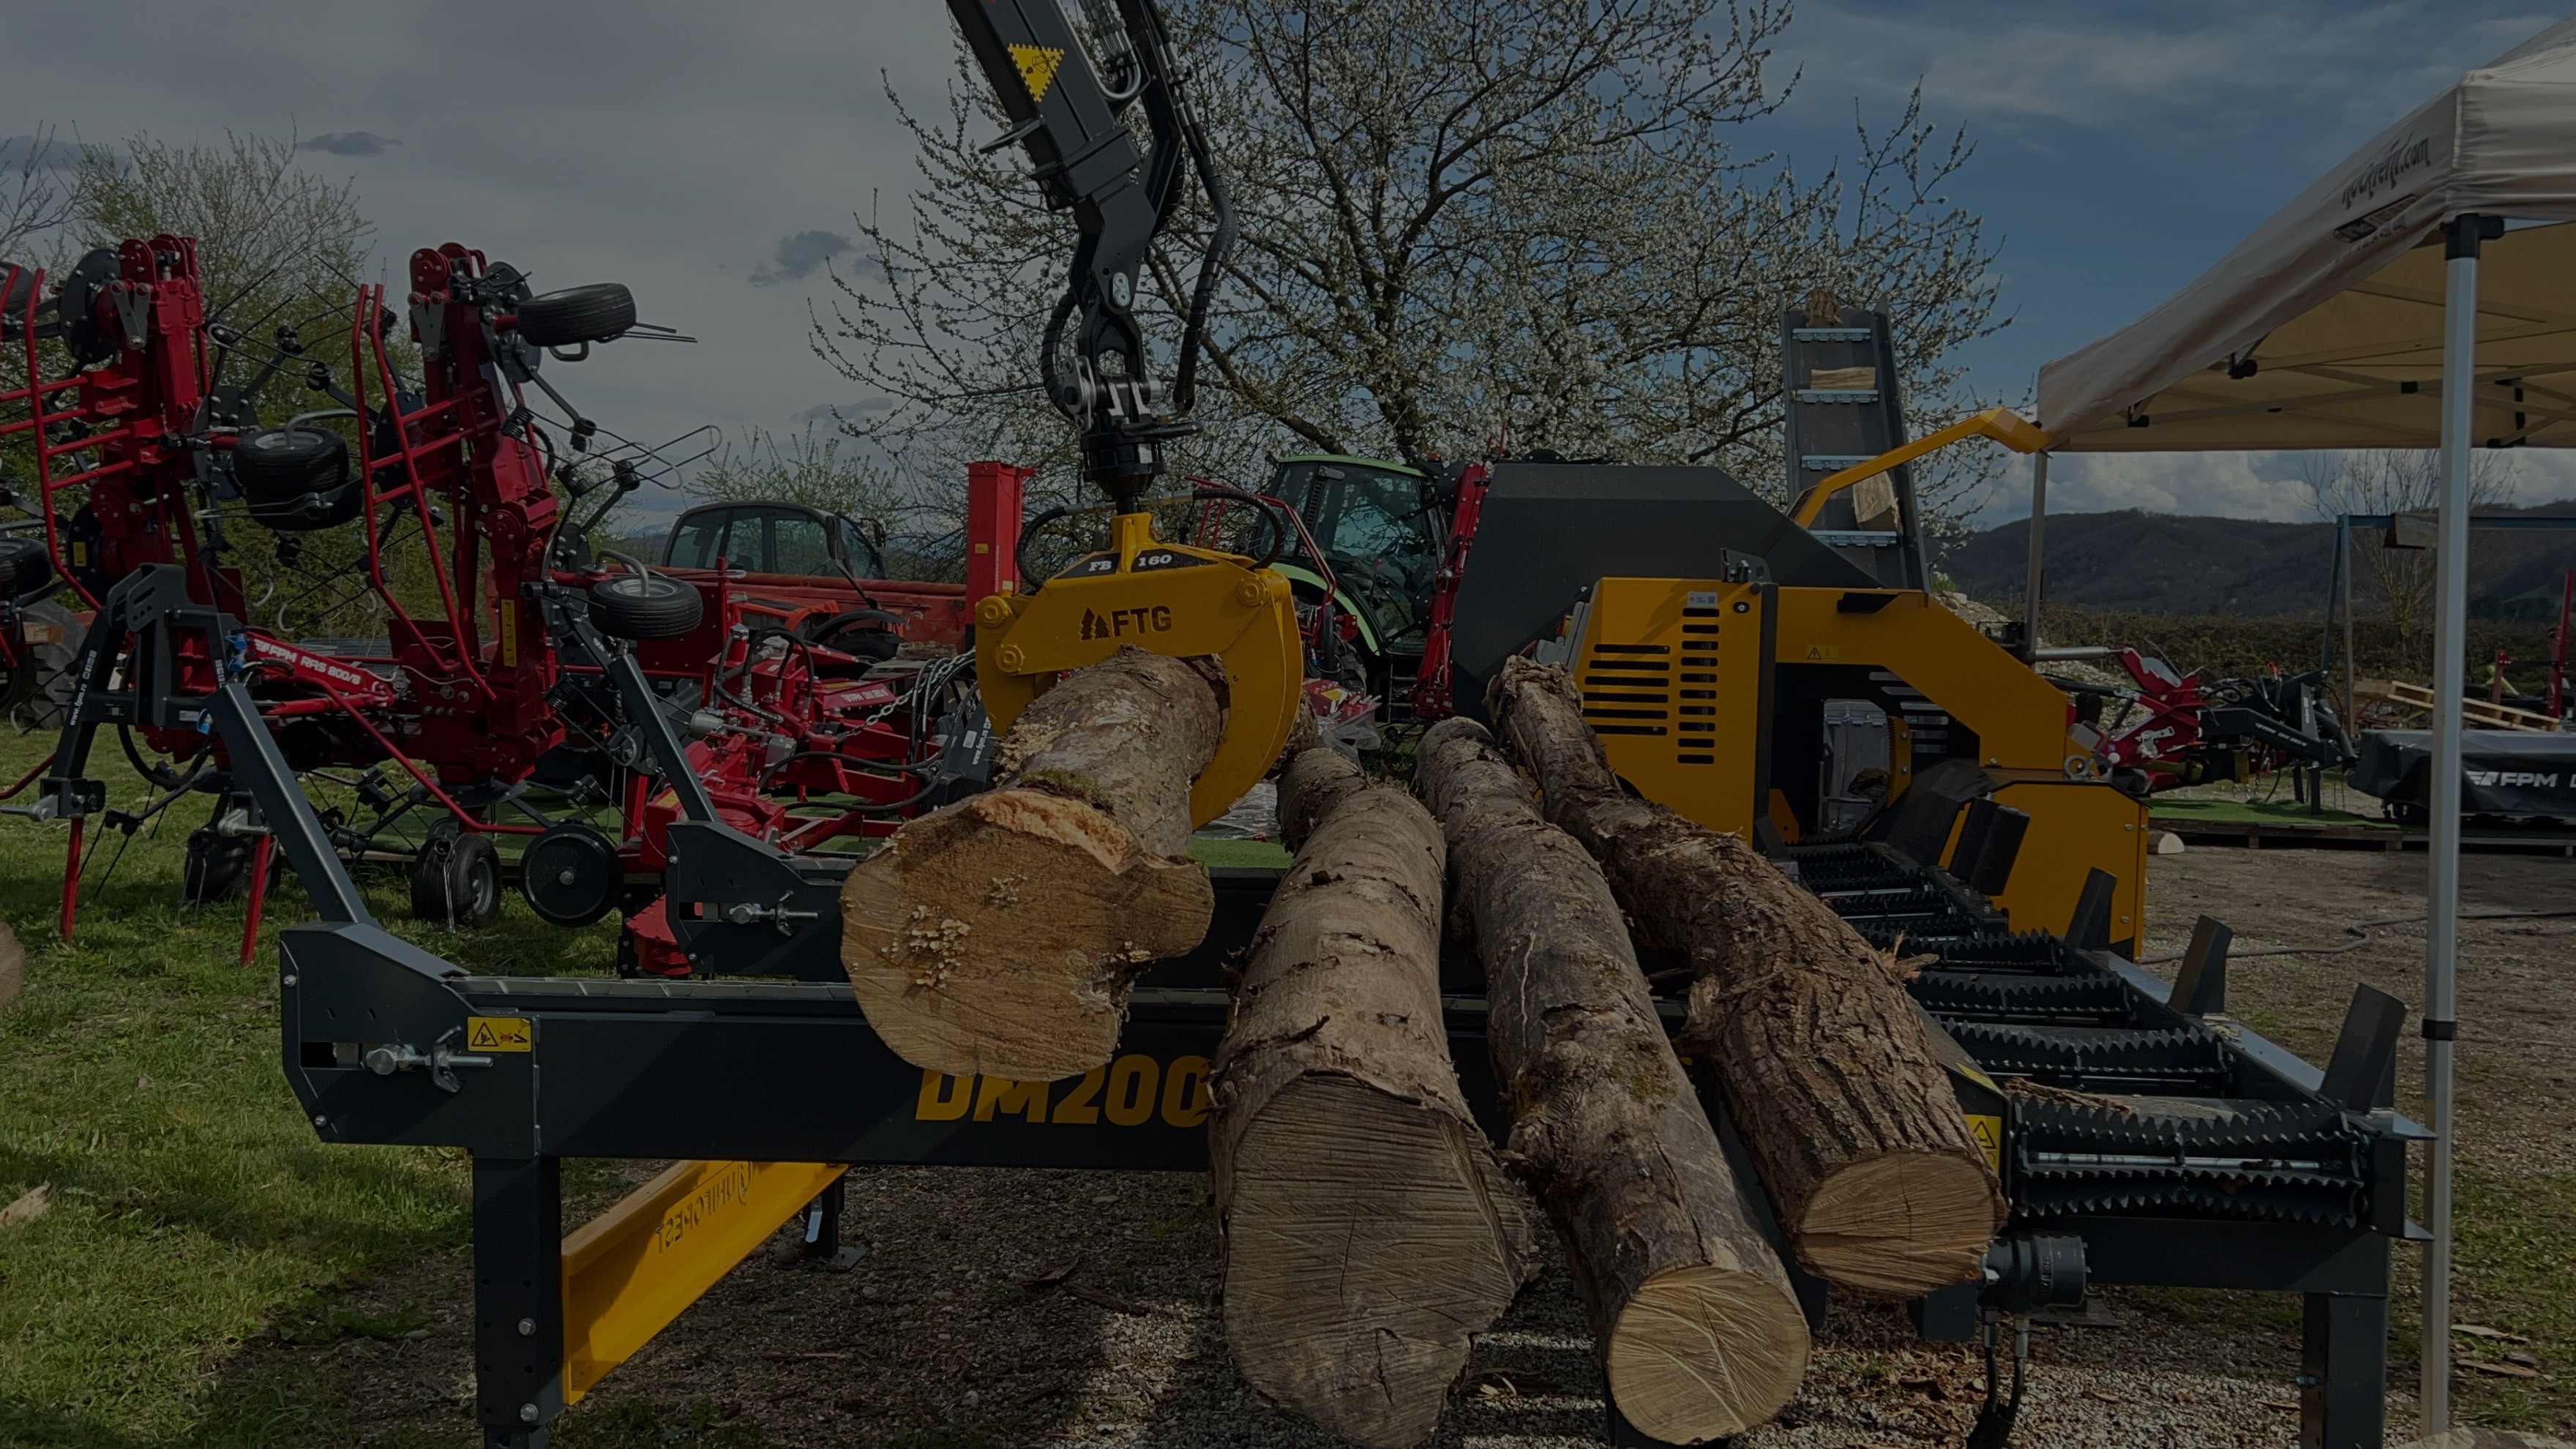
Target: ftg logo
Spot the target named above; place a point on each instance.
(1119, 623)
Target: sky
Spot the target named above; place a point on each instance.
(713, 159)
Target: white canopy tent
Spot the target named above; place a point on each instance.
(2338, 324)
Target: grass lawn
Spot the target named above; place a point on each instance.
(2258, 812)
(192, 1209)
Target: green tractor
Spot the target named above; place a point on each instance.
(1381, 529)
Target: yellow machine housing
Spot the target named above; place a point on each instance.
(1167, 598)
(1728, 700)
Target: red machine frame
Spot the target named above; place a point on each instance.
(476, 705)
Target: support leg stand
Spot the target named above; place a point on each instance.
(518, 1300)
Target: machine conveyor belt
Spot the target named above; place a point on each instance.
(2116, 1104)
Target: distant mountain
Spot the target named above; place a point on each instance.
(2166, 563)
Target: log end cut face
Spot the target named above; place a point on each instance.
(1901, 1225)
(1367, 1240)
(1000, 936)
(1706, 1351)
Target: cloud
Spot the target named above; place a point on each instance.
(348, 143)
(800, 256)
(2190, 70)
(2269, 486)
(2223, 485)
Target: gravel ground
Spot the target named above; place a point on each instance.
(2517, 1053)
(1071, 1309)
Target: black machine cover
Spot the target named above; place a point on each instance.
(1550, 530)
(2505, 772)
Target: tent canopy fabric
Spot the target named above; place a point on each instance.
(2324, 328)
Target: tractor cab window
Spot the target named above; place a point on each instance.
(858, 552)
(1367, 520)
(1381, 516)
(769, 539)
(796, 545)
(699, 539)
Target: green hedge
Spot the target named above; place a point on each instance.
(2220, 647)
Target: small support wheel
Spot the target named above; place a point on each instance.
(456, 879)
(644, 606)
(26, 569)
(599, 312)
(571, 875)
(217, 867)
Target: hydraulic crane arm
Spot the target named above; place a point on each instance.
(1067, 97)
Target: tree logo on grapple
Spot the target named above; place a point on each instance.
(1119, 623)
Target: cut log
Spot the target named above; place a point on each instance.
(1699, 1332)
(1369, 1230)
(1806, 1030)
(1000, 935)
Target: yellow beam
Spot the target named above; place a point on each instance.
(628, 1272)
(2001, 424)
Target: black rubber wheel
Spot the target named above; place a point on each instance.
(576, 315)
(571, 875)
(26, 569)
(308, 512)
(456, 879)
(217, 867)
(644, 606)
(278, 465)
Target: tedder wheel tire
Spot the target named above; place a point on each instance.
(576, 315)
(275, 465)
(571, 874)
(26, 569)
(456, 878)
(644, 606)
(217, 868)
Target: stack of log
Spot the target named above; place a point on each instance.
(1699, 1332)
(1370, 1227)
(1805, 1030)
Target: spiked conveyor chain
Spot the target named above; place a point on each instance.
(2206, 1135)
(2093, 1059)
(2097, 1000)
(2291, 1162)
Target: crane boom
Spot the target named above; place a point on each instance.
(1088, 159)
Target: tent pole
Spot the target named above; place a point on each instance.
(2442, 894)
(2038, 531)
(2343, 551)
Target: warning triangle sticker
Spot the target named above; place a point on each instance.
(1037, 65)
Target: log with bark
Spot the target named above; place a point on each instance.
(1699, 1333)
(1369, 1230)
(1804, 1028)
(1001, 935)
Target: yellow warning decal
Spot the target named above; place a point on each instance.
(1989, 1132)
(509, 1034)
(1037, 65)
(506, 618)
(1820, 652)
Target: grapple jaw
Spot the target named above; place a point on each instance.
(1170, 599)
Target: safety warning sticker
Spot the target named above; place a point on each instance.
(500, 1034)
